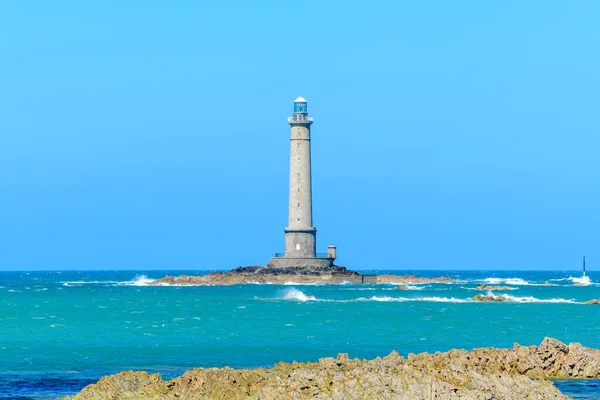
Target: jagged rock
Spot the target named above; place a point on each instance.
(481, 297)
(492, 287)
(486, 373)
(294, 270)
(593, 301)
(401, 287)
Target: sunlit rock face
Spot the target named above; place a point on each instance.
(486, 373)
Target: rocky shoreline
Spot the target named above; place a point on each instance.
(227, 278)
(485, 373)
(301, 275)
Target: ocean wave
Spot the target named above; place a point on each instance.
(75, 283)
(507, 281)
(302, 284)
(412, 287)
(583, 281)
(139, 280)
(531, 299)
(295, 294)
(404, 299)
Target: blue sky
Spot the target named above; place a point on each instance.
(153, 135)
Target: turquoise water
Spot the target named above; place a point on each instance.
(62, 330)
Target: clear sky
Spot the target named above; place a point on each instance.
(153, 134)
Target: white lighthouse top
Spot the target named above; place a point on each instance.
(300, 100)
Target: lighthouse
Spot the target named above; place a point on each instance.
(300, 234)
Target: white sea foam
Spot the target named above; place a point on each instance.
(295, 294)
(302, 284)
(507, 281)
(139, 280)
(403, 299)
(412, 287)
(531, 299)
(583, 281)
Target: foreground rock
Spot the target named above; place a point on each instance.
(489, 298)
(333, 275)
(593, 301)
(492, 287)
(487, 373)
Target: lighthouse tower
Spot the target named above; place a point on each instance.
(300, 234)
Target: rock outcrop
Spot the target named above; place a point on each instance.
(489, 298)
(492, 287)
(593, 301)
(243, 275)
(485, 373)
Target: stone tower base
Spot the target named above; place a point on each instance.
(286, 262)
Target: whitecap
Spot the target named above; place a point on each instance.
(412, 287)
(403, 299)
(507, 281)
(295, 294)
(531, 299)
(493, 281)
(583, 281)
(139, 280)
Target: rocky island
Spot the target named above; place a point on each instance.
(305, 274)
(485, 373)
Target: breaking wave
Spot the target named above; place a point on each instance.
(583, 281)
(74, 283)
(412, 287)
(295, 294)
(403, 299)
(139, 280)
(531, 299)
(507, 281)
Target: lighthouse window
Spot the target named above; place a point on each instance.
(297, 246)
(298, 173)
(298, 205)
(298, 219)
(298, 145)
(298, 190)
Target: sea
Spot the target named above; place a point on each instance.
(62, 330)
